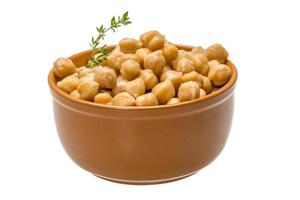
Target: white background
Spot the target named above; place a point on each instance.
(261, 159)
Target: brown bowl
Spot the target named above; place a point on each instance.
(143, 145)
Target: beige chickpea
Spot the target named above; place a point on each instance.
(129, 45)
(68, 84)
(88, 77)
(213, 63)
(185, 65)
(193, 76)
(164, 91)
(202, 92)
(103, 98)
(173, 101)
(150, 79)
(75, 94)
(182, 54)
(84, 71)
(173, 76)
(155, 61)
(113, 59)
(106, 77)
(197, 50)
(216, 52)
(219, 74)
(135, 87)
(88, 89)
(142, 52)
(123, 99)
(120, 85)
(188, 91)
(63, 67)
(126, 57)
(152, 40)
(165, 68)
(130, 69)
(206, 85)
(148, 99)
(170, 52)
(201, 64)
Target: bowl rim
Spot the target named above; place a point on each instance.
(224, 88)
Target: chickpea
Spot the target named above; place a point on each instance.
(185, 65)
(182, 54)
(170, 52)
(216, 52)
(106, 77)
(148, 99)
(149, 78)
(207, 86)
(126, 57)
(213, 63)
(197, 50)
(84, 71)
(142, 53)
(164, 91)
(188, 91)
(130, 69)
(152, 40)
(120, 85)
(173, 76)
(155, 61)
(88, 77)
(193, 76)
(129, 45)
(173, 101)
(201, 64)
(103, 98)
(113, 59)
(75, 94)
(135, 87)
(219, 74)
(202, 92)
(123, 99)
(63, 67)
(88, 89)
(68, 84)
(165, 68)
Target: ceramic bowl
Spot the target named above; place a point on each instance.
(143, 145)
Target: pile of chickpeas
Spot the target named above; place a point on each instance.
(146, 72)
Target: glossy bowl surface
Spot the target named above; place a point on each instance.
(143, 145)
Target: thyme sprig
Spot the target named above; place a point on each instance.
(100, 53)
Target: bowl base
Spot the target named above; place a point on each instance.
(145, 182)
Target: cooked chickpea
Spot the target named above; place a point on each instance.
(75, 94)
(152, 40)
(142, 52)
(170, 52)
(126, 57)
(88, 89)
(202, 92)
(164, 91)
(123, 99)
(173, 76)
(120, 85)
(165, 68)
(155, 61)
(103, 98)
(201, 64)
(216, 52)
(173, 101)
(207, 86)
(84, 71)
(188, 91)
(129, 45)
(212, 63)
(150, 79)
(148, 99)
(88, 77)
(106, 77)
(113, 59)
(185, 65)
(197, 50)
(68, 84)
(130, 69)
(193, 76)
(135, 87)
(63, 67)
(219, 74)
